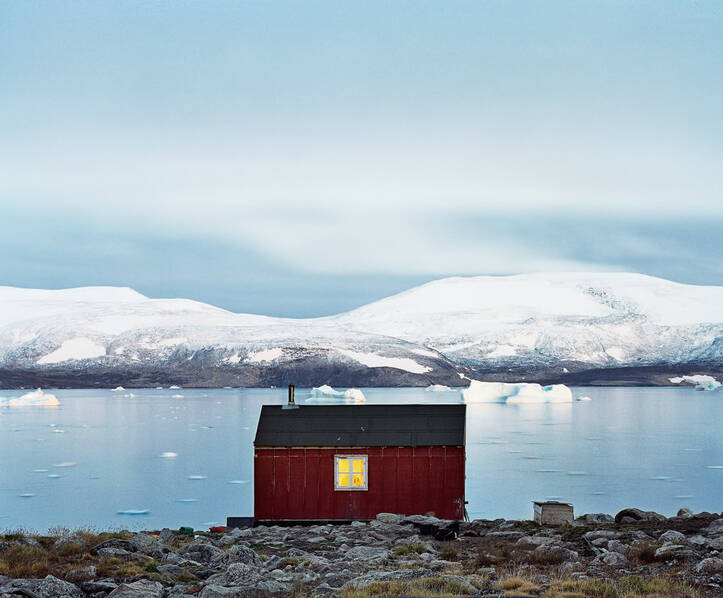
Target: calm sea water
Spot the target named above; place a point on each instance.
(99, 453)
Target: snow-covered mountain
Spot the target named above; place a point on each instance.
(600, 328)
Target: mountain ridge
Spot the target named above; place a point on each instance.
(594, 328)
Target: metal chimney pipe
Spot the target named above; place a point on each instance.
(291, 404)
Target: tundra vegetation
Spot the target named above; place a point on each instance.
(634, 555)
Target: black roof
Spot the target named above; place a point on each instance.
(361, 425)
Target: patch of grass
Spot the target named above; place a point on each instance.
(118, 568)
(16, 534)
(449, 552)
(71, 549)
(518, 584)
(152, 567)
(258, 546)
(644, 554)
(545, 559)
(572, 532)
(629, 587)
(489, 556)
(424, 586)
(24, 561)
(414, 547)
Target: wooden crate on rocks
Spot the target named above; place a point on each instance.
(553, 512)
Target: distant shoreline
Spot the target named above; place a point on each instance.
(308, 377)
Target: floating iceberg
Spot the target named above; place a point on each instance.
(118, 389)
(516, 393)
(438, 388)
(326, 392)
(134, 512)
(36, 398)
(701, 382)
(169, 455)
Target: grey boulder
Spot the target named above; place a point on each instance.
(50, 587)
(143, 588)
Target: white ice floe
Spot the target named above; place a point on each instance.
(36, 398)
(169, 455)
(372, 360)
(516, 393)
(701, 382)
(65, 464)
(26, 495)
(174, 387)
(186, 500)
(177, 396)
(327, 393)
(438, 388)
(118, 389)
(196, 477)
(74, 349)
(238, 482)
(134, 512)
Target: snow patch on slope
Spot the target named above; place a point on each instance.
(372, 360)
(74, 349)
(265, 355)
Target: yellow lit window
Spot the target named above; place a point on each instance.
(350, 472)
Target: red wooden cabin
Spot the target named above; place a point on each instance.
(346, 462)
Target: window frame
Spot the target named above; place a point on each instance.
(350, 488)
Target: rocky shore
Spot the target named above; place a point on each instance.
(633, 554)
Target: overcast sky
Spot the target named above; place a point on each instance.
(303, 158)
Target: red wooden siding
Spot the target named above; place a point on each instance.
(298, 483)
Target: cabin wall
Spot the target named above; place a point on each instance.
(298, 483)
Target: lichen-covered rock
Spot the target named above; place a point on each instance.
(638, 515)
(672, 537)
(675, 551)
(217, 591)
(115, 543)
(170, 569)
(596, 518)
(243, 554)
(388, 518)
(49, 587)
(81, 574)
(202, 552)
(144, 542)
(143, 588)
(367, 553)
(611, 559)
(379, 576)
(709, 566)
